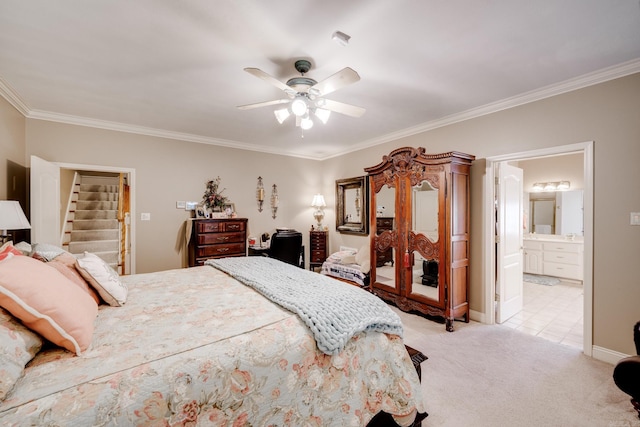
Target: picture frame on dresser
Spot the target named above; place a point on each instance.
(201, 211)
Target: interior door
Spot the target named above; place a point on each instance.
(45, 202)
(509, 287)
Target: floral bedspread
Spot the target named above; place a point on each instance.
(196, 347)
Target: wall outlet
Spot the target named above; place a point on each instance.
(145, 216)
(181, 205)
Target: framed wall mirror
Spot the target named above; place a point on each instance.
(352, 205)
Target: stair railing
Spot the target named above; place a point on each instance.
(123, 220)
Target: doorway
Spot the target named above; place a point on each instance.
(490, 238)
(45, 192)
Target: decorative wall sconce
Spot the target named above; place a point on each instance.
(358, 202)
(551, 186)
(274, 201)
(260, 194)
(318, 203)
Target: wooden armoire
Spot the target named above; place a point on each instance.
(428, 197)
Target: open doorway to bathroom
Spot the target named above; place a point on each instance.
(557, 247)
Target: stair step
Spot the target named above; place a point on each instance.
(94, 196)
(111, 188)
(89, 235)
(81, 214)
(95, 224)
(98, 205)
(94, 246)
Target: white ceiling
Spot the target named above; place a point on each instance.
(175, 68)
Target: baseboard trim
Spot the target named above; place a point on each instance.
(606, 355)
(477, 316)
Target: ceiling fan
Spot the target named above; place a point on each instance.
(305, 96)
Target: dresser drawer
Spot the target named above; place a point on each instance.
(221, 250)
(217, 238)
(531, 245)
(384, 223)
(216, 227)
(562, 270)
(318, 255)
(562, 257)
(562, 247)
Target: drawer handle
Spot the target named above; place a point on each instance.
(223, 249)
(223, 239)
(233, 227)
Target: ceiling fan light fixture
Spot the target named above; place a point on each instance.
(299, 106)
(306, 123)
(282, 114)
(323, 115)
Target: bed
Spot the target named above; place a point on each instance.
(197, 346)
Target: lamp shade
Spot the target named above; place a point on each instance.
(318, 201)
(11, 216)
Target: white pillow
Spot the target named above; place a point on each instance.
(103, 278)
(363, 259)
(348, 259)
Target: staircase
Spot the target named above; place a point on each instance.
(92, 223)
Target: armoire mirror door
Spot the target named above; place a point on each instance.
(424, 240)
(385, 238)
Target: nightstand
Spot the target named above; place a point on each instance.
(319, 248)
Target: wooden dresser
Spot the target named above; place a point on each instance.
(384, 224)
(319, 248)
(217, 238)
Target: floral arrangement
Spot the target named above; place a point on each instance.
(213, 198)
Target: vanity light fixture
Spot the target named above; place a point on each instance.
(260, 194)
(552, 186)
(274, 201)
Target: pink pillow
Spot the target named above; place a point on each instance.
(9, 249)
(66, 264)
(47, 302)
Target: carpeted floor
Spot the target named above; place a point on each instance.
(490, 375)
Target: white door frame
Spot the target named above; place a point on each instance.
(489, 231)
(132, 198)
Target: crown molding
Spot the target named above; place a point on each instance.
(590, 79)
(586, 80)
(13, 98)
(159, 133)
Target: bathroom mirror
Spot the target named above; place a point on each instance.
(559, 213)
(352, 205)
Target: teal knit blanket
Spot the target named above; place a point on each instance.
(333, 310)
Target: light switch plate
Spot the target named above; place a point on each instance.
(190, 206)
(181, 204)
(635, 218)
(145, 216)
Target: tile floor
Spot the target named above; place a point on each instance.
(552, 312)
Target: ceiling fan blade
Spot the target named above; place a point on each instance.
(342, 78)
(346, 109)
(263, 104)
(268, 78)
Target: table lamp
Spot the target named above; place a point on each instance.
(11, 218)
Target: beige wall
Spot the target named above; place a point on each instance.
(12, 143)
(607, 114)
(552, 169)
(167, 171)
